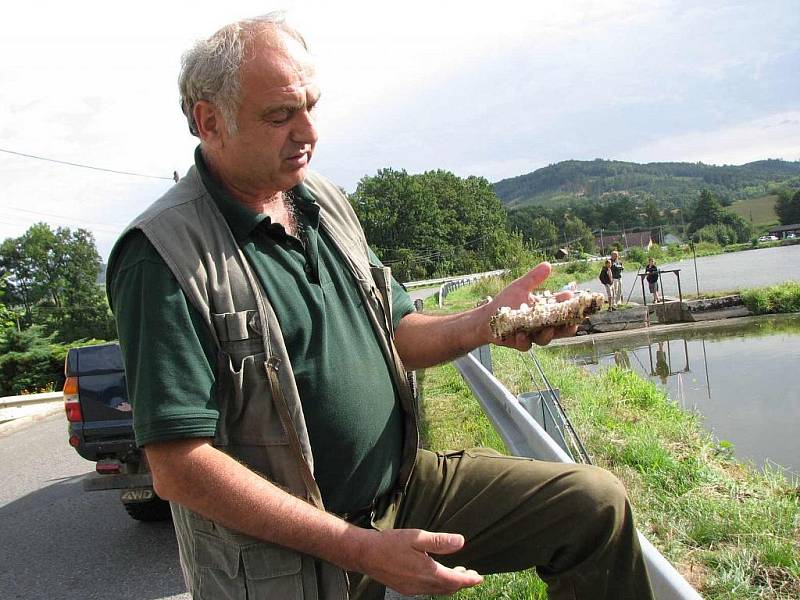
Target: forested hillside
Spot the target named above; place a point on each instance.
(670, 185)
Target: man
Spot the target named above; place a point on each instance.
(616, 277)
(266, 348)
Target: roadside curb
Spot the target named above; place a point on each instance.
(27, 421)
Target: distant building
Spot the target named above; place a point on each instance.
(785, 231)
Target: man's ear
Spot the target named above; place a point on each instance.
(210, 123)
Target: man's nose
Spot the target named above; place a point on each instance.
(305, 129)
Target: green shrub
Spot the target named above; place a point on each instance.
(655, 252)
(674, 251)
(38, 370)
(489, 286)
(781, 298)
(31, 362)
(637, 255)
(717, 233)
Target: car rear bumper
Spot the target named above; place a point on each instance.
(94, 482)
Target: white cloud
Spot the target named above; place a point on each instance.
(489, 89)
(772, 136)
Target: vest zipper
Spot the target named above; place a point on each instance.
(271, 366)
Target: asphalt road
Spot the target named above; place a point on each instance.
(57, 541)
(423, 293)
(721, 272)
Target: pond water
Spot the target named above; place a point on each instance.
(721, 272)
(743, 379)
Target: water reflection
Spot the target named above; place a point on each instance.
(742, 379)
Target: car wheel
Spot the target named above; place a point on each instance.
(154, 509)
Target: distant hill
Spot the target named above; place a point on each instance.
(669, 184)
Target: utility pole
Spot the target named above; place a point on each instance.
(683, 223)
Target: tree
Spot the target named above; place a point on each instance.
(716, 233)
(653, 213)
(53, 275)
(539, 231)
(18, 276)
(788, 207)
(742, 230)
(8, 318)
(30, 361)
(621, 213)
(707, 211)
(544, 235)
(433, 223)
(579, 235)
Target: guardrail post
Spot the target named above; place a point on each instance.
(484, 356)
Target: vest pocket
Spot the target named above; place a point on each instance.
(230, 571)
(247, 411)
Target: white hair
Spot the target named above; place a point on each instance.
(210, 69)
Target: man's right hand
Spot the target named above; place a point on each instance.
(400, 559)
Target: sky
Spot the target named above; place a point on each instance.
(495, 89)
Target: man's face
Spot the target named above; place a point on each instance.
(276, 133)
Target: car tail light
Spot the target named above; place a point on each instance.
(71, 402)
(74, 441)
(107, 467)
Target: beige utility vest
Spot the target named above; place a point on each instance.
(261, 421)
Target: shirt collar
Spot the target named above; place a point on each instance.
(241, 219)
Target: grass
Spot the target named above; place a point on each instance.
(781, 298)
(451, 418)
(758, 211)
(734, 532)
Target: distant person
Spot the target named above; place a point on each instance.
(651, 271)
(622, 360)
(616, 277)
(607, 281)
(662, 366)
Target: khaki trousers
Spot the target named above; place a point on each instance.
(572, 522)
(610, 294)
(616, 285)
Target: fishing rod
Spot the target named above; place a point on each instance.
(562, 417)
(636, 279)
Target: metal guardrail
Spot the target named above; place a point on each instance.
(454, 284)
(15, 407)
(523, 436)
(432, 282)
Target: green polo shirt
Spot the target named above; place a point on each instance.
(353, 416)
